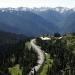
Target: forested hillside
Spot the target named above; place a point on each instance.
(16, 58)
(60, 55)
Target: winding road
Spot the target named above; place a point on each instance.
(40, 60)
(40, 53)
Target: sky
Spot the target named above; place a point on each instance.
(37, 3)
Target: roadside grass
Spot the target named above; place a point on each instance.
(15, 70)
(27, 44)
(48, 62)
(70, 43)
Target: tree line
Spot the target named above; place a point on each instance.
(14, 51)
(62, 55)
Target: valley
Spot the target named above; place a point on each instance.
(37, 21)
(37, 41)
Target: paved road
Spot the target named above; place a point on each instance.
(40, 57)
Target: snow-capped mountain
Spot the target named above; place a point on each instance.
(58, 9)
(24, 21)
(61, 9)
(36, 21)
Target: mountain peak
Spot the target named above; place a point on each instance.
(58, 9)
(61, 9)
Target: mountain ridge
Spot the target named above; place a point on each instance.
(25, 22)
(36, 21)
(58, 9)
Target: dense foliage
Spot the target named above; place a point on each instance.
(62, 52)
(15, 57)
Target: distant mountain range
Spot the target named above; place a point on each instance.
(36, 21)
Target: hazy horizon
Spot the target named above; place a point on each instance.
(37, 3)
